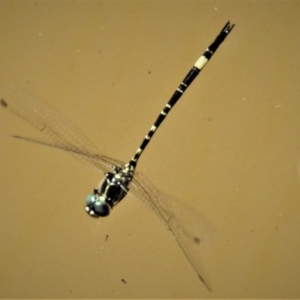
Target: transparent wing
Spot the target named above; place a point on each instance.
(191, 230)
(61, 132)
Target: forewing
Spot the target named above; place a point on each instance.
(191, 230)
(60, 132)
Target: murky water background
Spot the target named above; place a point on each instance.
(230, 148)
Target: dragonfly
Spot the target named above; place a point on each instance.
(190, 229)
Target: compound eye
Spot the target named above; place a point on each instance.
(90, 200)
(95, 207)
(101, 208)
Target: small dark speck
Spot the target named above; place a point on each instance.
(71, 291)
(3, 103)
(123, 280)
(106, 238)
(209, 119)
(149, 72)
(196, 240)
(99, 52)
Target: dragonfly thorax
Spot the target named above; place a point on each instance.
(110, 192)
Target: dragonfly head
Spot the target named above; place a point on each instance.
(96, 206)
